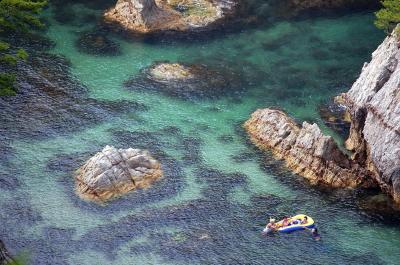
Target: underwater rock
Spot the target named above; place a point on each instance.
(295, 7)
(305, 149)
(144, 16)
(373, 104)
(188, 81)
(114, 172)
(98, 44)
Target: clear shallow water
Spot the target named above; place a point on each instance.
(218, 189)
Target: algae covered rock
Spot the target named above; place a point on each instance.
(98, 44)
(114, 172)
(186, 81)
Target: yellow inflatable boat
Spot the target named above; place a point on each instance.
(295, 224)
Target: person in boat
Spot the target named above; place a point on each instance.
(305, 220)
(295, 222)
(285, 221)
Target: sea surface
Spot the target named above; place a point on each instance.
(218, 189)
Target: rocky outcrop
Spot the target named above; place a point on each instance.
(144, 16)
(373, 103)
(5, 257)
(373, 109)
(113, 172)
(187, 81)
(305, 149)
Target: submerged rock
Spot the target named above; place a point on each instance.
(114, 172)
(305, 149)
(188, 81)
(98, 44)
(373, 103)
(294, 7)
(144, 16)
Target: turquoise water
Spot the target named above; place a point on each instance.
(218, 189)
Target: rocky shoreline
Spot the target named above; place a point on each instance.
(373, 106)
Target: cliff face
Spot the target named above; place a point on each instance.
(373, 103)
(305, 149)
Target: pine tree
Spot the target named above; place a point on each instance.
(389, 16)
(15, 16)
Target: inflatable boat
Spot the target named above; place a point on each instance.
(294, 227)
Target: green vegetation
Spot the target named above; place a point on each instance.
(389, 16)
(15, 16)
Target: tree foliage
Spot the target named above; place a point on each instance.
(15, 16)
(389, 16)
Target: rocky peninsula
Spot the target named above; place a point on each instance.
(373, 105)
(305, 149)
(146, 16)
(114, 172)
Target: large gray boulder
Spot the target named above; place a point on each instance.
(114, 172)
(373, 103)
(305, 149)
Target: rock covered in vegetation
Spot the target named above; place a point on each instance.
(114, 172)
(305, 149)
(144, 16)
(373, 103)
(188, 81)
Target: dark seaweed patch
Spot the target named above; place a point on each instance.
(226, 139)
(51, 101)
(97, 43)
